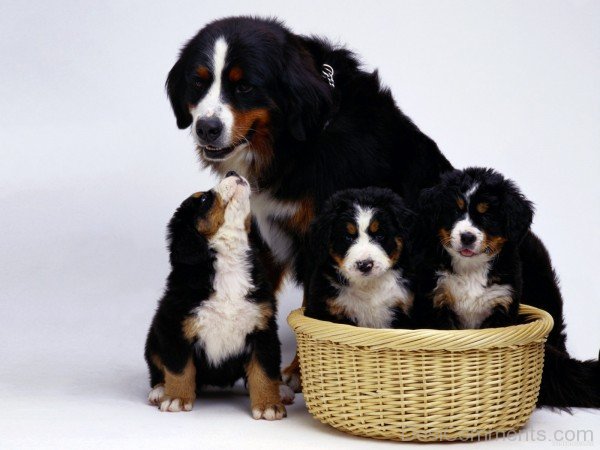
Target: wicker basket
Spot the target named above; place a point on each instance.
(426, 385)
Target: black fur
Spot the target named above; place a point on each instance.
(329, 236)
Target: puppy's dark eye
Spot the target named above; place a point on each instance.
(379, 237)
(203, 198)
(349, 237)
(243, 88)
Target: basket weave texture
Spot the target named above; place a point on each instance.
(426, 385)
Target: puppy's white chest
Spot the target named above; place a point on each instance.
(227, 317)
(371, 305)
(473, 299)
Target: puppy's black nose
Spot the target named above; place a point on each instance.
(467, 238)
(209, 129)
(231, 173)
(365, 265)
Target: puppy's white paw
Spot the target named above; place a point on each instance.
(175, 404)
(269, 412)
(292, 379)
(156, 394)
(287, 394)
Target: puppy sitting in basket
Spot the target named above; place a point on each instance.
(466, 251)
(216, 321)
(359, 260)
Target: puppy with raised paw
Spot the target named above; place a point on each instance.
(359, 260)
(216, 322)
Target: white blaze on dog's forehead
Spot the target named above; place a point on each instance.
(363, 218)
(471, 191)
(212, 105)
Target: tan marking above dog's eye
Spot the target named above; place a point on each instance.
(351, 228)
(197, 194)
(235, 74)
(203, 73)
(460, 203)
(374, 226)
(482, 207)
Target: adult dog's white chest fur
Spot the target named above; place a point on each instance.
(370, 304)
(227, 317)
(268, 211)
(473, 299)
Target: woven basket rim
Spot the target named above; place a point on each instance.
(538, 325)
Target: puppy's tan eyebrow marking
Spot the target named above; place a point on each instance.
(197, 194)
(374, 226)
(236, 74)
(351, 228)
(460, 203)
(482, 207)
(203, 72)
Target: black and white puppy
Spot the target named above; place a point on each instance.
(357, 249)
(216, 321)
(470, 228)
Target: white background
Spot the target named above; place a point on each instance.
(92, 167)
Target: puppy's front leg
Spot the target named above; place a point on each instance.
(179, 389)
(262, 373)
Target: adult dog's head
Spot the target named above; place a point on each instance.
(361, 232)
(475, 212)
(240, 83)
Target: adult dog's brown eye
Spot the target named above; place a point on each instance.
(243, 88)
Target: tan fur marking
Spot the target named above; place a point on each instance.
(335, 309)
(197, 194)
(264, 391)
(351, 228)
(266, 312)
(494, 244)
(445, 237)
(442, 297)
(157, 362)
(182, 385)
(398, 251)
(300, 221)
(374, 226)
(213, 220)
(339, 260)
(460, 202)
(203, 73)
(503, 302)
(235, 74)
(261, 142)
(482, 207)
(190, 328)
(404, 304)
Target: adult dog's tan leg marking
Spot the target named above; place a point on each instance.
(179, 389)
(265, 398)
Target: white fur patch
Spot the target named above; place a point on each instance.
(370, 303)
(265, 209)
(474, 300)
(364, 249)
(466, 226)
(156, 394)
(227, 317)
(286, 393)
(212, 105)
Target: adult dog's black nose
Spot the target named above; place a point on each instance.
(209, 129)
(467, 238)
(231, 173)
(365, 265)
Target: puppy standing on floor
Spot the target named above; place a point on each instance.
(357, 249)
(216, 321)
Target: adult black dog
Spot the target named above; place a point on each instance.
(300, 119)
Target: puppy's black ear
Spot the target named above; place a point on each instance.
(307, 95)
(176, 87)
(518, 212)
(320, 235)
(403, 217)
(429, 205)
(186, 245)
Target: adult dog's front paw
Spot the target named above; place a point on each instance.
(269, 412)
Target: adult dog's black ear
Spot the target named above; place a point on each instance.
(176, 87)
(518, 212)
(429, 205)
(307, 95)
